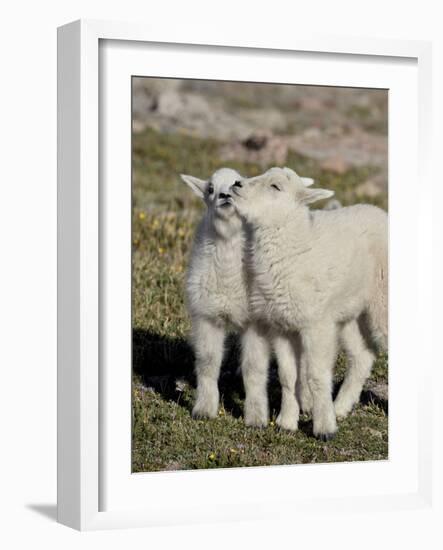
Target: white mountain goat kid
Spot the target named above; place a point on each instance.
(217, 301)
(321, 274)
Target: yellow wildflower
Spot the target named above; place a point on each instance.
(142, 216)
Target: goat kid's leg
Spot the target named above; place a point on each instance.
(319, 350)
(303, 392)
(208, 341)
(254, 366)
(360, 361)
(287, 373)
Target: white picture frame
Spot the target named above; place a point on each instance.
(97, 492)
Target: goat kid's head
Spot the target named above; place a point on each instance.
(216, 192)
(273, 195)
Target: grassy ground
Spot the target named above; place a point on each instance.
(165, 436)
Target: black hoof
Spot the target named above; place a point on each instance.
(326, 437)
(201, 416)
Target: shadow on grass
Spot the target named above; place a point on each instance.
(164, 364)
(367, 397)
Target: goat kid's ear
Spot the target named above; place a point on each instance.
(292, 175)
(309, 196)
(307, 182)
(197, 185)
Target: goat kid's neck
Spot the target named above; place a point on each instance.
(224, 232)
(290, 234)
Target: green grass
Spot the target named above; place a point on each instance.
(165, 213)
(166, 437)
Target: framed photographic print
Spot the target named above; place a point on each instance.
(233, 227)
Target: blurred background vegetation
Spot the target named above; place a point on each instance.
(337, 136)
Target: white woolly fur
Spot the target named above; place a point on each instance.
(320, 274)
(217, 301)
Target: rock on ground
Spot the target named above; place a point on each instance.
(341, 128)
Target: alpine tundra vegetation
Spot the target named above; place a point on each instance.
(320, 274)
(337, 136)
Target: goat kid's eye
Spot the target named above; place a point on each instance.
(275, 186)
(237, 184)
(210, 190)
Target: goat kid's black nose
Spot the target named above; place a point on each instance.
(224, 196)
